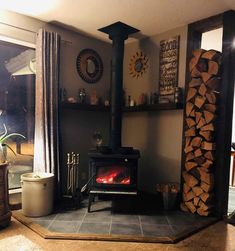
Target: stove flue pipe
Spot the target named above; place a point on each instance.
(118, 33)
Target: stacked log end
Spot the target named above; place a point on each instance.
(199, 132)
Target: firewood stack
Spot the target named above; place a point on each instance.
(199, 144)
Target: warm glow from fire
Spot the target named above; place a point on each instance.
(113, 175)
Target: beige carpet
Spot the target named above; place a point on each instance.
(18, 243)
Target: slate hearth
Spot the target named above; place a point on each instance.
(104, 221)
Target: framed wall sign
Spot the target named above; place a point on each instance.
(89, 66)
(168, 65)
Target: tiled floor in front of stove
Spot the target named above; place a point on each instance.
(103, 220)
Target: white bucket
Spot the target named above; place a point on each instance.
(37, 194)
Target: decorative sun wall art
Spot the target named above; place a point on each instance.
(138, 64)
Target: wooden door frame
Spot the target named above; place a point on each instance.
(225, 111)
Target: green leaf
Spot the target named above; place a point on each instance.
(2, 140)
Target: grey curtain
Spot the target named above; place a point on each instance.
(46, 142)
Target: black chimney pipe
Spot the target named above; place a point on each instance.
(118, 32)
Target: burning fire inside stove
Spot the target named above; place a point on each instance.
(113, 175)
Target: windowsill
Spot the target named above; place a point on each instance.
(15, 190)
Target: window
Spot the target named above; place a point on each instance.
(17, 106)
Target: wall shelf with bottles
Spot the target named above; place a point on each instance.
(140, 108)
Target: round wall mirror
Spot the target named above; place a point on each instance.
(89, 66)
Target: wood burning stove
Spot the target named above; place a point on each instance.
(114, 171)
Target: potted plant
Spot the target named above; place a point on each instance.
(3, 145)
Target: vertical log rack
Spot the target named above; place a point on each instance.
(199, 149)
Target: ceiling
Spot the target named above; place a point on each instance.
(150, 16)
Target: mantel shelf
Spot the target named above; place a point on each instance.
(140, 108)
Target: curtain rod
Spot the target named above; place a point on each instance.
(13, 26)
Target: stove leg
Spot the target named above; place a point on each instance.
(90, 200)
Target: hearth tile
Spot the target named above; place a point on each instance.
(43, 223)
(125, 229)
(154, 219)
(157, 230)
(64, 226)
(181, 219)
(183, 229)
(94, 228)
(101, 216)
(70, 216)
(125, 218)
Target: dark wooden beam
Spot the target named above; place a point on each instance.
(223, 139)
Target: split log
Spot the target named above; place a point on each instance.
(195, 82)
(206, 197)
(191, 207)
(209, 127)
(207, 164)
(213, 68)
(195, 73)
(190, 132)
(201, 123)
(198, 153)
(205, 206)
(192, 63)
(207, 135)
(205, 76)
(199, 101)
(190, 180)
(198, 116)
(187, 141)
(209, 116)
(192, 113)
(210, 107)
(202, 90)
(190, 165)
(190, 122)
(197, 190)
(188, 149)
(189, 108)
(186, 188)
(207, 187)
(206, 177)
(188, 196)
(196, 201)
(209, 155)
(196, 142)
(202, 212)
(189, 156)
(191, 93)
(211, 55)
(208, 145)
(211, 97)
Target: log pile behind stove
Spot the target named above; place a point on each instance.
(200, 131)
